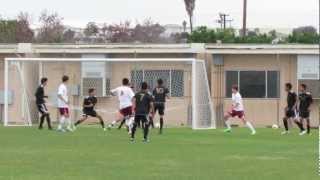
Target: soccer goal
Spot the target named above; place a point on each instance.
(190, 102)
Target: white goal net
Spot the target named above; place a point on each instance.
(190, 103)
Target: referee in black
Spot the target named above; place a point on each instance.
(41, 104)
(143, 104)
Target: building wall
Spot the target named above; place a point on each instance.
(261, 111)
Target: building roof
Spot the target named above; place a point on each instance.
(164, 48)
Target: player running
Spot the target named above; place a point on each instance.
(237, 110)
(305, 101)
(291, 110)
(125, 95)
(63, 105)
(41, 104)
(143, 104)
(89, 104)
(160, 93)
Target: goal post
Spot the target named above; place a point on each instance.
(186, 78)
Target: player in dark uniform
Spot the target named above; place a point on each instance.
(143, 105)
(291, 109)
(88, 109)
(160, 93)
(305, 101)
(41, 104)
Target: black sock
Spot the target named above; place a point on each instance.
(299, 124)
(161, 123)
(308, 126)
(122, 123)
(49, 121)
(41, 121)
(133, 130)
(145, 131)
(285, 123)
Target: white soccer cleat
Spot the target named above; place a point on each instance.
(285, 132)
(303, 133)
(253, 133)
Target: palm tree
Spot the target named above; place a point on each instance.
(190, 5)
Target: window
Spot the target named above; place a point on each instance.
(173, 80)
(254, 84)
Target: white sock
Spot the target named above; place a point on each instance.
(228, 124)
(61, 123)
(250, 126)
(69, 123)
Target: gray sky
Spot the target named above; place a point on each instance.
(261, 13)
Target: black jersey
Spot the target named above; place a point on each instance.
(143, 101)
(40, 95)
(291, 99)
(88, 101)
(305, 101)
(159, 94)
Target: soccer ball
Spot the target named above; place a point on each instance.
(275, 126)
(157, 125)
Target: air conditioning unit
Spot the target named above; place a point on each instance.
(93, 76)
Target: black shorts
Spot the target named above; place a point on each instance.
(140, 118)
(91, 113)
(160, 108)
(291, 113)
(304, 114)
(42, 108)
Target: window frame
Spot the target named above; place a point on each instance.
(239, 83)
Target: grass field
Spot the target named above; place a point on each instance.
(179, 154)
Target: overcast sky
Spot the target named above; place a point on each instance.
(261, 13)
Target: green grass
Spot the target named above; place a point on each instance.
(179, 154)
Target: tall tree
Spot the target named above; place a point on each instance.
(51, 29)
(91, 29)
(120, 32)
(69, 36)
(24, 33)
(148, 32)
(190, 6)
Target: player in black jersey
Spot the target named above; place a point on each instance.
(160, 94)
(291, 109)
(88, 109)
(41, 104)
(143, 105)
(305, 101)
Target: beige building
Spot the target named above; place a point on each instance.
(260, 71)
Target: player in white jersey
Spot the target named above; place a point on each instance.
(125, 95)
(237, 110)
(63, 105)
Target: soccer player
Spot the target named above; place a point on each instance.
(89, 104)
(63, 105)
(160, 93)
(305, 101)
(237, 110)
(41, 104)
(125, 95)
(143, 104)
(291, 110)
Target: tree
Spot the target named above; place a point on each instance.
(306, 35)
(91, 29)
(147, 32)
(8, 31)
(69, 36)
(24, 34)
(51, 29)
(190, 6)
(119, 33)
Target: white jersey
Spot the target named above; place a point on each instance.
(63, 91)
(125, 95)
(237, 102)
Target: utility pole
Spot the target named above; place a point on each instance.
(223, 20)
(244, 25)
